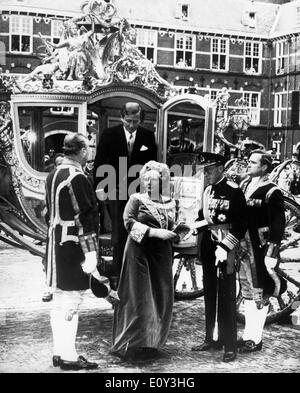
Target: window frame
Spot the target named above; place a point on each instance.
(21, 34)
(53, 28)
(280, 58)
(184, 50)
(187, 16)
(147, 45)
(219, 53)
(179, 13)
(255, 120)
(278, 108)
(252, 57)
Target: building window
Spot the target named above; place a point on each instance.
(219, 54)
(253, 103)
(213, 94)
(298, 16)
(184, 50)
(182, 11)
(20, 30)
(2, 55)
(278, 108)
(182, 89)
(146, 41)
(252, 58)
(56, 28)
(279, 58)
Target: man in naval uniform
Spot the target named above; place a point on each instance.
(72, 246)
(224, 221)
(260, 248)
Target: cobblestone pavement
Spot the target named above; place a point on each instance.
(26, 343)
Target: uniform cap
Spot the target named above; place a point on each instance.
(208, 159)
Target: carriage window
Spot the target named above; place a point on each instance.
(184, 142)
(42, 132)
(62, 110)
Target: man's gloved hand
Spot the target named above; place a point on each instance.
(90, 263)
(270, 264)
(221, 255)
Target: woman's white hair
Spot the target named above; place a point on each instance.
(159, 167)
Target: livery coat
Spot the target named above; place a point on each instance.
(266, 224)
(72, 218)
(224, 209)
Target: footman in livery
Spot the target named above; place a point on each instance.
(260, 248)
(72, 246)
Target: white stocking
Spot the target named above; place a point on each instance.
(255, 321)
(260, 320)
(70, 331)
(57, 319)
(250, 308)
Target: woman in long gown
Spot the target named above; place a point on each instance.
(142, 319)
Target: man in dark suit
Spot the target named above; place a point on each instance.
(125, 148)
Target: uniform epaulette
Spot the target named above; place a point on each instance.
(270, 192)
(232, 184)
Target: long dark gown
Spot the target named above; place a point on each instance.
(143, 317)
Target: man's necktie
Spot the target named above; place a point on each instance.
(130, 144)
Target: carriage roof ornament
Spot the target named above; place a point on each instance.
(84, 60)
(239, 118)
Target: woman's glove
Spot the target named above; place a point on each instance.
(90, 263)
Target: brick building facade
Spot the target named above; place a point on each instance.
(252, 48)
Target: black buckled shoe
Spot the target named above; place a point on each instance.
(56, 361)
(80, 364)
(250, 346)
(229, 357)
(47, 297)
(207, 346)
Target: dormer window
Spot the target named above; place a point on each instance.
(185, 12)
(249, 17)
(298, 16)
(182, 11)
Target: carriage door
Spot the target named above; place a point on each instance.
(186, 127)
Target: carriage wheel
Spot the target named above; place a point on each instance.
(187, 271)
(290, 270)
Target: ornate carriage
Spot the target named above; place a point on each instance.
(81, 85)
